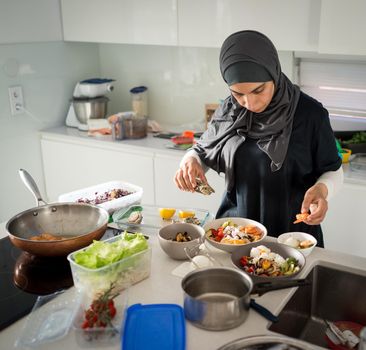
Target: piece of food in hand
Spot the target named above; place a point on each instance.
(301, 217)
(135, 217)
(203, 188)
(166, 213)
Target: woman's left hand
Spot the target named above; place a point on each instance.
(315, 201)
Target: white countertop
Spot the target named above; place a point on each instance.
(149, 144)
(163, 287)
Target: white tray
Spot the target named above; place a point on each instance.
(112, 205)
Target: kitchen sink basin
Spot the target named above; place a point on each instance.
(336, 293)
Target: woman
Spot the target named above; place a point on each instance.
(273, 142)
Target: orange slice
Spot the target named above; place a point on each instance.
(183, 214)
(166, 213)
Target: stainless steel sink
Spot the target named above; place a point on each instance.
(336, 294)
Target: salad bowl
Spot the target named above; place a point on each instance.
(250, 231)
(287, 260)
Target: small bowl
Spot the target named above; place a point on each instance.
(301, 236)
(174, 249)
(282, 249)
(227, 247)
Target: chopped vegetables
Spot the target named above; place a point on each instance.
(263, 262)
(232, 233)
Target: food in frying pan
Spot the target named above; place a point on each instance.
(203, 188)
(301, 217)
(263, 262)
(105, 197)
(46, 237)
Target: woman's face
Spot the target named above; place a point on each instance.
(253, 96)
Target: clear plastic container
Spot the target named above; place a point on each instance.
(358, 162)
(99, 336)
(139, 100)
(122, 273)
(49, 320)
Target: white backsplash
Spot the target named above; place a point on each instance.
(47, 73)
(180, 80)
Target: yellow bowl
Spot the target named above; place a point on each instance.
(345, 155)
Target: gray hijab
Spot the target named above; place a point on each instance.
(232, 123)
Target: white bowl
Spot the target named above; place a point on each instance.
(174, 249)
(227, 247)
(301, 236)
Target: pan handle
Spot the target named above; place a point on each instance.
(31, 185)
(263, 287)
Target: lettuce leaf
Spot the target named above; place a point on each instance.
(100, 253)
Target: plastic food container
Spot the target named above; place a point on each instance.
(358, 162)
(122, 273)
(100, 336)
(49, 320)
(91, 193)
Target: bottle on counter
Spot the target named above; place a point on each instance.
(139, 101)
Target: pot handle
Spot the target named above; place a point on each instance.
(263, 287)
(263, 311)
(31, 185)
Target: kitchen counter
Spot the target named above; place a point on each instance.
(149, 144)
(163, 287)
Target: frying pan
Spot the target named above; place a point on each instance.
(77, 224)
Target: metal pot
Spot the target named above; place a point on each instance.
(79, 223)
(91, 108)
(219, 298)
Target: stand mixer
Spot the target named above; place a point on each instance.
(88, 102)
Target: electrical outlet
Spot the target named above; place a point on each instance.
(16, 100)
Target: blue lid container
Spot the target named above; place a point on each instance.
(154, 326)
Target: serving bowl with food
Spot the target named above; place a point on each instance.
(299, 240)
(175, 239)
(268, 261)
(227, 234)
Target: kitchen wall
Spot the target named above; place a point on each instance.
(180, 80)
(47, 73)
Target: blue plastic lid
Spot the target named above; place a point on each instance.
(138, 89)
(154, 326)
(96, 81)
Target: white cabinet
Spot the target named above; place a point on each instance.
(120, 21)
(167, 194)
(343, 27)
(71, 166)
(30, 21)
(344, 226)
(290, 24)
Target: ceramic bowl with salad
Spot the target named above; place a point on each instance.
(227, 234)
(268, 260)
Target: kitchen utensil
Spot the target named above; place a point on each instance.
(88, 102)
(284, 250)
(218, 298)
(174, 249)
(237, 221)
(267, 342)
(78, 223)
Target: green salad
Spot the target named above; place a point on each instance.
(101, 253)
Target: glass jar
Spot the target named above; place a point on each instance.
(139, 101)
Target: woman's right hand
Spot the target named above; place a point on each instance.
(185, 177)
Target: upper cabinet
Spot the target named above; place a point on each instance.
(343, 27)
(291, 24)
(30, 21)
(120, 21)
